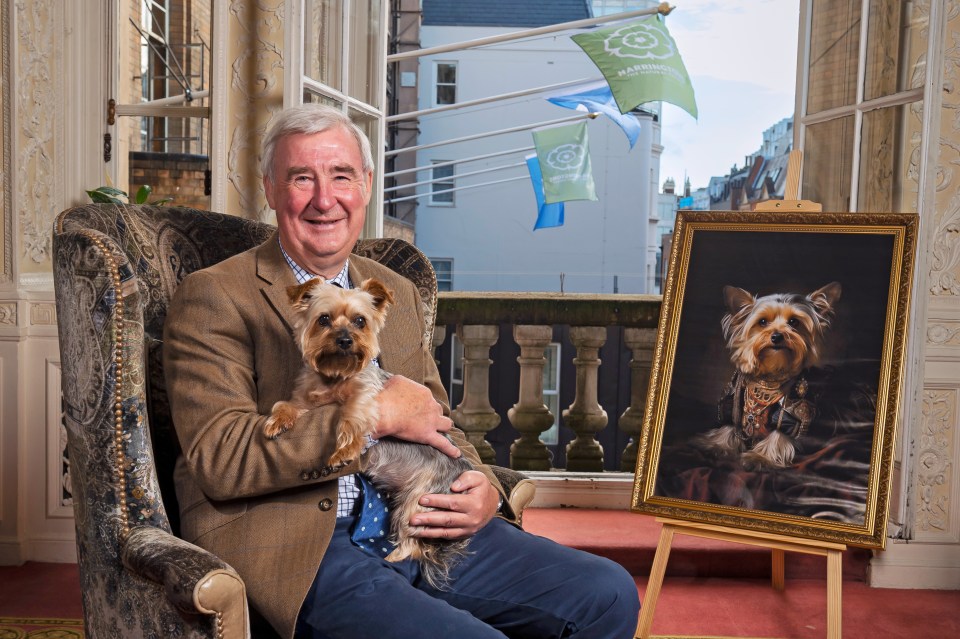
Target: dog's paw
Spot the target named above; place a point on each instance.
(275, 427)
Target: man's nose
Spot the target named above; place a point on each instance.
(323, 198)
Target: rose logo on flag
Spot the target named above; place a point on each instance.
(566, 156)
(644, 41)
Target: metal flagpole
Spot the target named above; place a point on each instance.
(454, 177)
(525, 127)
(424, 167)
(457, 188)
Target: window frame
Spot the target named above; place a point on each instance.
(437, 84)
(445, 183)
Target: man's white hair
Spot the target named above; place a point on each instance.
(307, 119)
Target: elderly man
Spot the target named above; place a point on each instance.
(273, 510)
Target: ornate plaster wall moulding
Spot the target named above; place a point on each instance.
(8, 313)
(43, 314)
(39, 121)
(935, 469)
(256, 83)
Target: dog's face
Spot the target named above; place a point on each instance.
(776, 336)
(337, 329)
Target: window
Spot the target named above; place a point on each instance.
(443, 267)
(446, 83)
(551, 392)
(862, 105)
(442, 184)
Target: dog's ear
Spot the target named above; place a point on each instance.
(382, 297)
(824, 298)
(736, 298)
(300, 294)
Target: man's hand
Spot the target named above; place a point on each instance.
(409, 411)
(471, 506)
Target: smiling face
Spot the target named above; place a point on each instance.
(320, 192)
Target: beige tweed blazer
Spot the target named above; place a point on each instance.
(266, 507)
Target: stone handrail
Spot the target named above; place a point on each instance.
(478, 316)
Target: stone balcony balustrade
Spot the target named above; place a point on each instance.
(478, 317)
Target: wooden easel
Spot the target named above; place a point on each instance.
(778, 544)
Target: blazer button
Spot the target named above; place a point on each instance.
(305, 476)
(315, 474)
(326, 504)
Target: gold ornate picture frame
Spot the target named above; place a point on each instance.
(776, 382)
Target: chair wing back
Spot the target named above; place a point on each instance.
(407, 260)
(115, 269)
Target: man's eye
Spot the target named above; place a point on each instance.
(323, 320)
(360, 322)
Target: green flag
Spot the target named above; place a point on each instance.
(564, 157)
(641, 64)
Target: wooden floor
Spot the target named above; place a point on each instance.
(712, 588)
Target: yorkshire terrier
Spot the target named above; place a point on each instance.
(337, 331)
(773, 341)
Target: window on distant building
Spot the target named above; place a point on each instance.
(551, 392)
(443, 267)
(862, 106)
(441, 193)
(446, 83)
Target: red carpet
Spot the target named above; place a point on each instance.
(698, 599)
(716, 588)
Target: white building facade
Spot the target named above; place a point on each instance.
(483, 238)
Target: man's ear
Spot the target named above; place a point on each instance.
(268, 191)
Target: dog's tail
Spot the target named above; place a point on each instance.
(437, 559)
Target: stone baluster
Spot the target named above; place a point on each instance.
(474, 415)
(529, 415)
(641, 342)
(439, 334)
(585, 416)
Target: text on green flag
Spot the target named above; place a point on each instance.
(641, 63)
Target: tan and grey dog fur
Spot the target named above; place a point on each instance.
(773, 340)
(337, 332)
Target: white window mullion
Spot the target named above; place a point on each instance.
(293, 67)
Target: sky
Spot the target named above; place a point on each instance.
(742, 60)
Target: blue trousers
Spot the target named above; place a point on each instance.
(511, 584)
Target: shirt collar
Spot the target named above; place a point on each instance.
(341, 279)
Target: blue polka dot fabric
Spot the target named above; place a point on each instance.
(373, 522)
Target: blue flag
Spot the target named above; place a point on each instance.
(598, 97)
(548, 215)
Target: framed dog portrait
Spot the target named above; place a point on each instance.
(776, 382)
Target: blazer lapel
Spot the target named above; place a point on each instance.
(276, 275)
(390, 344)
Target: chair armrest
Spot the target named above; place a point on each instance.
(195, 580)
(520, 489)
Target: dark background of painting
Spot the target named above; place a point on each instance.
(764, 262)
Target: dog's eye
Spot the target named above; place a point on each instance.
(360, 322)
(762, 322)
(793, 322)
(323, 320)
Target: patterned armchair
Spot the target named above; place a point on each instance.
(115, 270)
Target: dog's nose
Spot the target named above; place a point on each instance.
(344, 341)
(776, 338)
